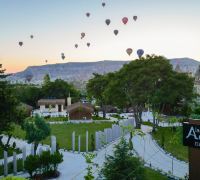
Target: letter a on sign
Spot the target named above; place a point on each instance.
(192, 133)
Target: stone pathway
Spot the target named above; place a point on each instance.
(74, 166)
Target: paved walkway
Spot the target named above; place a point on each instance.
(74, 166)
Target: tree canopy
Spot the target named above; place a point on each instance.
(149, 80)
(9, 105)
(36, 130)
(122, 165)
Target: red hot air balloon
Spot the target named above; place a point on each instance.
(116, 32)
(88, 14)
(103, 4)
(76, 45)
(135, 18)
(125, 20)
(20, 43)
(88, 44)
(108, 22)
(82, 35)
(129, 51)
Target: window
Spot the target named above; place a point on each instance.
(46, 106)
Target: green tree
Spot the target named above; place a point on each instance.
(60, 89)
(150, 80)
(28, 94)
(96, 87)
(122, 165)
(9, 106)
(46, 80)
(36, 130)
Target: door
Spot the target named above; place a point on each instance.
(59, 108)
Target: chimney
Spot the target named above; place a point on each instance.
(69, 101)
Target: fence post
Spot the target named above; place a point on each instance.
(5, 163)
(14, 163)
(86, 141)
(73, 141)
(79, 144)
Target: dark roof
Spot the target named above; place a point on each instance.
(51, 102)
(77, 105)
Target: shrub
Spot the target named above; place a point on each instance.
(45, 159)
(31, 164)
(56, 159)
(45, 165)
(99, 118)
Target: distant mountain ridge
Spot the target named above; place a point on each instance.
(79, 73)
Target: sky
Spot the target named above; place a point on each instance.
(170, 28)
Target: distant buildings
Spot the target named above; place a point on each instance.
(57, 108)
(51, 108)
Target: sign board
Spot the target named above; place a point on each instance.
(191, 135)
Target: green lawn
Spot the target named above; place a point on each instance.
(63, 132)
(151, 174)
(165, 138)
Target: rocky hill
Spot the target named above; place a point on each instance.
(79, 73)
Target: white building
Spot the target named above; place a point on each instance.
(51, 107)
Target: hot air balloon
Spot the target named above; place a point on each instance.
(103, 4)
(46, 61)
(88, 14)
(135, 18)
(76, 45)
(140, 52)
(108, 22)
(63, 57)
(31, 36)
(88, 44)
(116, 32)
(82, 35)
(129, 51)
(125, 20)
(20, 43)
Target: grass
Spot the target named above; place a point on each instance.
(171, 140)
(63, 133)
(55, 119)
(151, 174)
